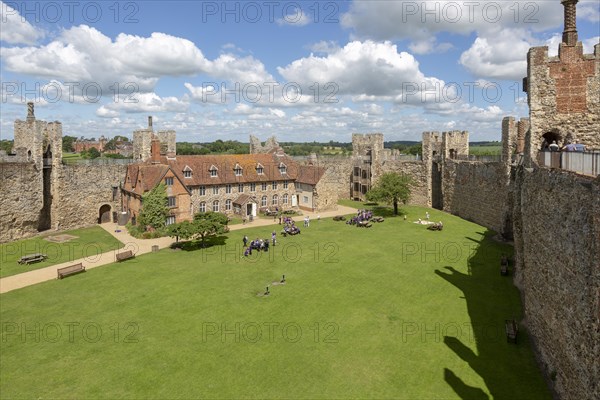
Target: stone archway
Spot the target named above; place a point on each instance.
(551, 136)
(104, 214)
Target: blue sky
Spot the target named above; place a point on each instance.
(302, 71)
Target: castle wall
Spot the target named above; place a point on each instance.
(557, 244)
(20, 200)
(335, 182)
(83, 190)
(564, 96)
(477, 192)
(417, 170)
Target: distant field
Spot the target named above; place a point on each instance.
(485, 150)
(89, 242)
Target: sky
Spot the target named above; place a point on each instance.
(299, 70)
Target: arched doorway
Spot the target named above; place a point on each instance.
(552, 136)
(104, 214)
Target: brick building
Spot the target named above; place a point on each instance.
(240, 184)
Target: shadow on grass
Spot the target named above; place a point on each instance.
(505, 368)
(192, 245)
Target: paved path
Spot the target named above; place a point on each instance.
(138, 246)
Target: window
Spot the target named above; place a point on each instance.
(282, 169)
(213, 171)
(228, 189)
(215, 190)
(237, 170)
(285, 198)
(172, 201)
(253, 187)
(202, 190)
(305, 199)
(264, 186)
(241, 188)
(274, 185)
(274, 200)
(169, 181)
(202, 207)
(187, 174)
(170, 220)
(263, 201)
(216, 206)
(285, 184)
(260, 170)
(228, 205)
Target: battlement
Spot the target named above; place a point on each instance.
(142, 142)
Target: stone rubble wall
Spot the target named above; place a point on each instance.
(417, 170)
(477, 192)
(83, 190)
(20, 204)
(557, 245)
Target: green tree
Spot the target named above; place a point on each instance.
(210, 224)
(391, 188)
(154, 208)
(185, 230)
(93, 153)
(67, 144)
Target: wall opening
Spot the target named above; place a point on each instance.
(437, 197)
(104, 214)
(550, 137)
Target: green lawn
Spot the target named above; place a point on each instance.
(89, 243)
(490, 150)
(394, 311)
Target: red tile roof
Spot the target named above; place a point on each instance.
(225, 165)
(141, 178)
(310, 174)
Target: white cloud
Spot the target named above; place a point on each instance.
(295, 18)
(367, 70)
(501, 56)
(429, 45)
(143, 103)
(15, 29)
(85, 55)
(389, 20)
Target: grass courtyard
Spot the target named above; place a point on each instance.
(88, 242)
(393, 311)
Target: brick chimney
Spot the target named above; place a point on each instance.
(150, 122)
(30, 113)
(155, 151)
(570, 31)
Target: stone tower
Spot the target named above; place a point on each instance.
(367, 158)
(563, 92)
(142, 142)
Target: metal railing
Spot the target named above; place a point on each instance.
(587, 163)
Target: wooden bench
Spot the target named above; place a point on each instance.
(70, 270)
(125, 255)
(511, 330)
(32, 258)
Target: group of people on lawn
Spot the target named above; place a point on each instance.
(290, 228)
(258, 244)
(361, 216)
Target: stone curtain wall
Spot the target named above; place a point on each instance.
(417, 170)
(21, 200)
(557, 244)
(335, 182)
(477, 191)
(83, 190)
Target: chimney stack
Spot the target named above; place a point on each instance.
(150, 122)
(570, 31)
(30, 114)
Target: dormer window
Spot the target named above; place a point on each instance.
(187, 172)
(237, 170)
(282, 169)
(213, 171)
(260, 170)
